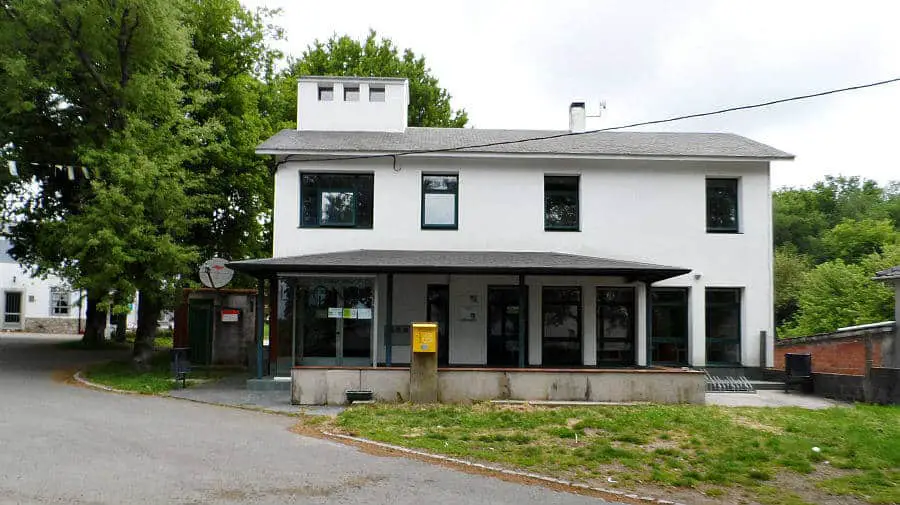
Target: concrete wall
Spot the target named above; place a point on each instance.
(650, 211)
(842, 352)
(318, 386)
(362, 115)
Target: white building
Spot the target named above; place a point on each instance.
(528, 253)
(34, 304)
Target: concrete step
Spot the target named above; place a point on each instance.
(269, 384)
(767, 385)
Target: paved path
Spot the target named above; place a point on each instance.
(770, 398)
(66, 444)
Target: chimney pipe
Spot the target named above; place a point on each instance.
(576, 117)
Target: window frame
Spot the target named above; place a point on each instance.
(455, 225)
(60, 294)
(324, 87)
(579, 334)
(376, 89)
(669, 339)
(577, 226)
(740, 322)
(350, 89)
(355, 191)
(736, 229)
(631, 358)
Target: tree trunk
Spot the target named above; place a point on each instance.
(95, 319)
(120, 320)
(149, 308)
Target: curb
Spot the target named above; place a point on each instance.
(93, 385)
(481, 466)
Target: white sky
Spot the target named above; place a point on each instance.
(519, 63)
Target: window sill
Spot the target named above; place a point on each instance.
(563, 229)
(440, 228)
(301, 227)
(724, 232)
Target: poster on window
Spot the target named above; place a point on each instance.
(364, 313)
(335, 312)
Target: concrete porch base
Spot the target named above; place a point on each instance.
(327, 385)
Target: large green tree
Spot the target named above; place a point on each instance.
(429, 103)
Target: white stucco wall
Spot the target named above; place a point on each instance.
(638, 210)
(35, 293)
(362, 115)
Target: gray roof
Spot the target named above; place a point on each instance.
(636, 144)
(4, 251)
(469, 262)
(890, 273)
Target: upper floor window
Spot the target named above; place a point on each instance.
(336, 200)
(561, 203)
(376, 94)
(351, 93)
(326, 93)
(59, 301)
(722, 205)
(440, 201)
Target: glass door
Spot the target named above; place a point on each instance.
(503, 326)
(615, 326)
(12, 310)
(438, 311)
(333, 321)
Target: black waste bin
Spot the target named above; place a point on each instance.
(181, 365)
(798, 370)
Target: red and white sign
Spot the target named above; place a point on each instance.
(231, 315)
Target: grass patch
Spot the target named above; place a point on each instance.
(156, 379)
(742, 450)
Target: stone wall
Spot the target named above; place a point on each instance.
(51, 325)
(842, 352)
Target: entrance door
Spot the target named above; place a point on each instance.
(334, 322)
(503, 326)
(615, 326)
(438, 311)
(200, 327)
(12, 310)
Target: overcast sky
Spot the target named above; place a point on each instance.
(518, 64)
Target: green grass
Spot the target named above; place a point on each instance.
(714, 449)
(163, 340)
(157, 379)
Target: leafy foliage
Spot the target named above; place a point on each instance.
(830, 240)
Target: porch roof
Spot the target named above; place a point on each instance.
(456, 262)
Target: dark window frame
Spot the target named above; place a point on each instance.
(352, 89)
(374, 92)
(720, 183)
(455, 193)
(563, 192)
(325, 88)
(670, 339)
(631, 358)
(737, 306)
(366, 178)
(579, 333)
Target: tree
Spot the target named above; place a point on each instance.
(851, 240)
(429, 103)
(790, 269)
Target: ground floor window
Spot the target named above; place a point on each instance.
(615, 326)
(723, 325)
(561, 308)
(59, 301)
(503, 309)
(669, 333)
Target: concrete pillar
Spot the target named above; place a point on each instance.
(423, 377)
(589, 325)
(641, 336)
(697, 326)
(535, 325)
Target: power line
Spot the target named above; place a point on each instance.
(612, 128)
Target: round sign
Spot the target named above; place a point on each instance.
(214, 273)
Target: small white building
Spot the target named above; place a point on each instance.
(614, 250)
(34, 304)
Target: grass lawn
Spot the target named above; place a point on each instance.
(158, 379)
(697, 454)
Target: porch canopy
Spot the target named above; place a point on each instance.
(518, 263)
(456, 262)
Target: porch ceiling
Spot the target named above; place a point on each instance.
(456, 262)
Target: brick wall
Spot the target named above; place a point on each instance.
(841, 352)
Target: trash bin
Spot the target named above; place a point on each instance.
(181, 365)
(798, 370)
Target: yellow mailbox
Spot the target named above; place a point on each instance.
(424, 337)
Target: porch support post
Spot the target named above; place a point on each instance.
(389, 323)
(523, 320)
(260, 322)
(648, 323)
(273, 322)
